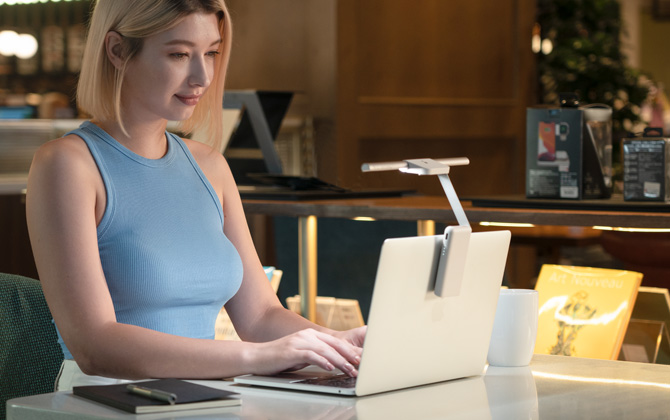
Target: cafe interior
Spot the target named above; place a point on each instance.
(318, 89)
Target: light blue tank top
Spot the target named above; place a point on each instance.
(168, 265)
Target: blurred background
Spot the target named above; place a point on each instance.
(374, 80)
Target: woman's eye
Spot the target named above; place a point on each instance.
(212, 54)
(179, 56)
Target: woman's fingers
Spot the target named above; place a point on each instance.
(350, 353)
(329, 351)
(355, 336)
(309, 347)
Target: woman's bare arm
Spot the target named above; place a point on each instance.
(64, 204)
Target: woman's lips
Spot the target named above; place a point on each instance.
(190, 100)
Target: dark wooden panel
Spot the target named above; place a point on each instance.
(420, 121)
(436, 51)
(431, 78)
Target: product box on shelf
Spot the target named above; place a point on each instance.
(646, 167)
(568, 152)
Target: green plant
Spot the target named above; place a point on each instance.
(586, 58)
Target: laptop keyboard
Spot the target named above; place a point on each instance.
(340, 381)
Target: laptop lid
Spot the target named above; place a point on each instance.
(415, 337)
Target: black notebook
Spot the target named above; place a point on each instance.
(189, 396)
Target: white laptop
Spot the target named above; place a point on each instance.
(466, 398)
(415, 337)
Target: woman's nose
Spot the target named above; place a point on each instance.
(200, 73)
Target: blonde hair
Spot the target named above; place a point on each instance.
(99, 88)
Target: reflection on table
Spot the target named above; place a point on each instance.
(553, 387)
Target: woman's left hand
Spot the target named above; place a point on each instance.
(354, 336)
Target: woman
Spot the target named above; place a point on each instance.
(140, 236)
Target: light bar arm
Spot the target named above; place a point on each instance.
(456, 239)
(455, 203)
(395, 166)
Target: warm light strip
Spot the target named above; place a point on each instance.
(500, 224)
(599, 380)
(364, 219)
(626, 229)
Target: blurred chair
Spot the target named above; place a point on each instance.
(30, 356)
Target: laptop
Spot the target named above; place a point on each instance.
(415, 337)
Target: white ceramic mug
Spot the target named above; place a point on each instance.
(514, 328)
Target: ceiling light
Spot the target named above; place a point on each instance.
(26, 46)
(8, 41)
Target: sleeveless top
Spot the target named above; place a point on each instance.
(168, 265)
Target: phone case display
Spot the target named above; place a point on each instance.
(646, 167)
(568, 153)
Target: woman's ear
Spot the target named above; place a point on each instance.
(114, 48)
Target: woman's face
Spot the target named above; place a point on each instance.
(172, 71)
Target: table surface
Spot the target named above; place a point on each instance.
(437, 208)
(552, 387)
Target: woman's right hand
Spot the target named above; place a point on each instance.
(303, 348)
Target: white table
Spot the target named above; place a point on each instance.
(553, 387)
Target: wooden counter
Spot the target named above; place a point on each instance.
(426, 210)
(437, 208)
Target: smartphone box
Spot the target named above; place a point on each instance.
(563, 158)
(646, 169)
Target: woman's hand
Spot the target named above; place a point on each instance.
(308, 347)
(354, 336)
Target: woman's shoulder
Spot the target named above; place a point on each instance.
(200, 149)
(213, 165)
(206, 156)
(66, 157)
(70, 149)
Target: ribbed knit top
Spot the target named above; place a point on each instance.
(168, 265)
